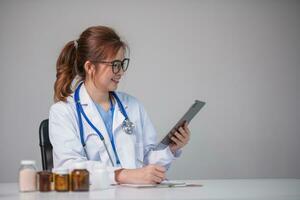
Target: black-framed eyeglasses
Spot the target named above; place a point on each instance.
(117, 65)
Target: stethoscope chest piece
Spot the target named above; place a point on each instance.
(128, 126)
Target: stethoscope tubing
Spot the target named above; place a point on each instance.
(80, 112)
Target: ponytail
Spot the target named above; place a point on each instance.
(65, 72)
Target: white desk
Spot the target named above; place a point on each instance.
(267, 189)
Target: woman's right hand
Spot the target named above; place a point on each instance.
(150, 174)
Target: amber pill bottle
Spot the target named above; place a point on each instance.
(80, 178)
(61, 180)
(44, 180)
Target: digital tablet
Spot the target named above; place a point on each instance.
(187, 117)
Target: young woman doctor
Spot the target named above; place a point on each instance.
(92, 123)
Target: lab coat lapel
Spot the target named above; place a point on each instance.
(92, 113)
(118, 118)
(124, 142)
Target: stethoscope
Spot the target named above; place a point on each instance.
(127, 125)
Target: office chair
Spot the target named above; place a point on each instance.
(45, 145)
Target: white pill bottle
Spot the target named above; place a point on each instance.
(27, 176)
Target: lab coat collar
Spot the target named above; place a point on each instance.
(92, 113)
(88, 104)
(85, 99)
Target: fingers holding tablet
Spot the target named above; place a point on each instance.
(180, 137)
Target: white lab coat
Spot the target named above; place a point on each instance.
(134, 150)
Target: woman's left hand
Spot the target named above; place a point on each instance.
(180, 138)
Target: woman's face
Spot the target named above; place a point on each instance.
(104, 77)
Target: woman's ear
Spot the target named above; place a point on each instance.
(89, 67)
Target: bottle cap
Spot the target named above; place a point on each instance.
(45, 173)
(60, 170)
(27, 162)
(80, 165)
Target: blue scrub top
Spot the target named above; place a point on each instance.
(107, 117)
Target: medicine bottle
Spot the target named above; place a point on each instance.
(61, 179)
(27, 176)
(80, 178)
(44, 180)
(99, 178)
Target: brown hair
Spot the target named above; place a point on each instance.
(94, 44)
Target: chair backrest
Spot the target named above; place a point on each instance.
(46, 147)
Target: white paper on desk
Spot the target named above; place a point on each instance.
(139, 185)
(165, 183)
(170, 182)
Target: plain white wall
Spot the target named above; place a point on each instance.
(241, 57)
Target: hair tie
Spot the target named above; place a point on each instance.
(75, 44)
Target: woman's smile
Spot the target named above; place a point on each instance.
(116, 80)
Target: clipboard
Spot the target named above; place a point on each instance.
(187, 117)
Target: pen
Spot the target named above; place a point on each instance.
(141, 162)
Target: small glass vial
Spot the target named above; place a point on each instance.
(27, 176)
(80, 178)
(45, 178)
(61, 180)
